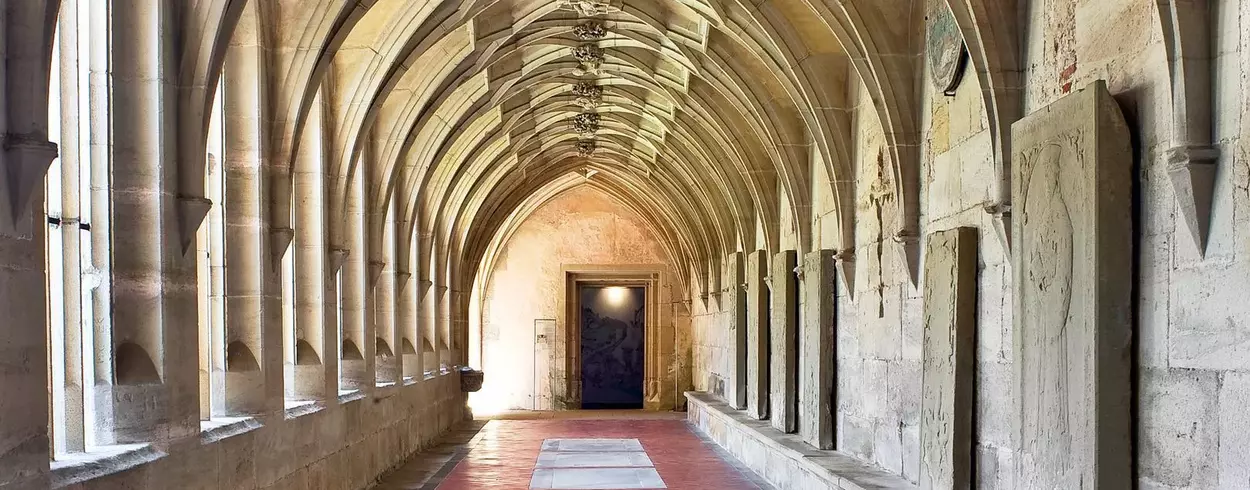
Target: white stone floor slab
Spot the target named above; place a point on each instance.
(592, 445)
(593, 460)
(596, 478)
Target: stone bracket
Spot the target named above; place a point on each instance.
(1002, 220)
(845, 262)
(280, 239)
(402, 278)
(26, 161)
(375, 271)
(337, 258)
(191, 213)
(1192, 170)
(909, 239)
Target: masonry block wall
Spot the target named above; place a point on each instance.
(1188, 362)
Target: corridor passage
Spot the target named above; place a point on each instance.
(575, 450)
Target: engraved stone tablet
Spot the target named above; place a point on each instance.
(817, 354)
(757, 335)
(783, 349)
(1071, 192)
(950, 313)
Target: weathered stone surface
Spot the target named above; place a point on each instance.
(757, 334)
(947, 406)
(783, 337)
(738, 327)
(1072, 248)
(817, 354)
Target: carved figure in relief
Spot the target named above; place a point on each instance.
(1047, 266)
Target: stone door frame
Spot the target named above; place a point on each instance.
(566, 389)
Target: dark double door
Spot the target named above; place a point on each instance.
(613, 320)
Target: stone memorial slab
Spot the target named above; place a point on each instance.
(757, 335)
(1072, 250)
(738, 293)
(817, 354)
(948, 390)
(783, 347)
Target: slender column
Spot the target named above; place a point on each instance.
(815, 385)
(71, 427)
(155, 391)
(99, 83)
(314, 373)
(426, 328)
(757, 334)
(406, 312)
(783, 384)
(358, 341)
(244, 236)
(388, 363)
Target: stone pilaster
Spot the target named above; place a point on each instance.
(359, 344)
(23, 419)
(153, 392)
(315, 366)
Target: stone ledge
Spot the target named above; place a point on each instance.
(221, 428)
(99, 461)
(784, 460)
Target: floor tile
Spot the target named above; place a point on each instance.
(591, 445)
(598, 460)
(596, 478)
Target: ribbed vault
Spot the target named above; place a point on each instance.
(461, 116)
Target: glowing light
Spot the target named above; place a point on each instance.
(616, 295)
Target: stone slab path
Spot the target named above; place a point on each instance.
(574, 452)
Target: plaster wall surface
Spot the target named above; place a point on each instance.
(582, 226)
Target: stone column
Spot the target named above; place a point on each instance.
(315, 369)
(817, 354)
(245, 237)
(737, 294)
(783, 340)
(1072, 250)
(442, 322)
(757, 334)
(359, 369)
(426, 328)
(387, 357)
(154, 395)
(948, 393)
(25, 157)
(70, 429)
(406, 313)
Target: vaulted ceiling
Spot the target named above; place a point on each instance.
(701, 115)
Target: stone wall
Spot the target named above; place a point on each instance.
(582, 226)
(1190, 328)
(346, 446)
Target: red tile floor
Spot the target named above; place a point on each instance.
(503, 454)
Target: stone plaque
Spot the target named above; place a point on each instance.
(816, 339)
(757, 334)
(1072, 236)
(945, 50)
(783, 384)
(738, 293)
(948, 393)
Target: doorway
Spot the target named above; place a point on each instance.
(613, 337)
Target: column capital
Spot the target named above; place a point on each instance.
(26, 158)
